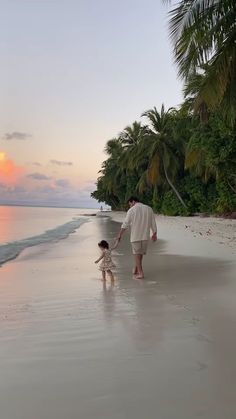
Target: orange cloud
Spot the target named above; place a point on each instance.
(9, 171)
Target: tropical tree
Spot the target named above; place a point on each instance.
(133, 160)
(131, 138)
(211, 151)
(111, 176)
(159, 146)
(204, 40)
(175, 148)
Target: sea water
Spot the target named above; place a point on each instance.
(22, 227)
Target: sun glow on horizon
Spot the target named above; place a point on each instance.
(9, 170)
(2, 156)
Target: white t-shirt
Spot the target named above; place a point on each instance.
(140, 218)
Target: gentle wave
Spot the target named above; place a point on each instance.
(10, 251)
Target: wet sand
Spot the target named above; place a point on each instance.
(73, 347)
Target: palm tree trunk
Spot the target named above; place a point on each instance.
(231, 187)
(173, 187)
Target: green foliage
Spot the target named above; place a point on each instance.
(176, 164)
(171, 205)
(226, 202)
(196, 192)
(203, 35)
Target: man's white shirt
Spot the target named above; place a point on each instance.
(141, 219)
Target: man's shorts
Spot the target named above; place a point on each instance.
(139, 248)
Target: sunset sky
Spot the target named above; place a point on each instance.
(74, 73)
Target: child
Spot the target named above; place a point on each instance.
(107, 264)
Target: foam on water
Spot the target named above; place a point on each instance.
(10, 251)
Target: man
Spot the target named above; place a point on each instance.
(140, 218)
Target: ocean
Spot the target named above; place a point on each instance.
(22, 227)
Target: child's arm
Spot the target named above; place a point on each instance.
(101, 257)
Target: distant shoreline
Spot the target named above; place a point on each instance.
(45, 206)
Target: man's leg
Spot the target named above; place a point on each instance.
(139, 260)
(134, 249)
(135, 269)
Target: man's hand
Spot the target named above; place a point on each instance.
(120, 234)
(154, 237)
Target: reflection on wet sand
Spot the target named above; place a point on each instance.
(73, 346)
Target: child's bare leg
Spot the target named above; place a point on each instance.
(111, 276)
(104, 275)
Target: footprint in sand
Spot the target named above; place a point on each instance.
(204, 338)
(195, 320)
(171, 297)
(202, 366)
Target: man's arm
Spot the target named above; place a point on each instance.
(125, 225)
(115, 244)
(119, 237)
(153, 227)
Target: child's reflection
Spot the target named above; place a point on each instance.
(109, 299)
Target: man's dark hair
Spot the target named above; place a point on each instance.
(103, 244)
(133, 199)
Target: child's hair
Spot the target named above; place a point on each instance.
(103, 244)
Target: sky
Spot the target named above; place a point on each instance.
(74, 73)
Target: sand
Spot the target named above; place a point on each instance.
(162, 348)
(216, 230)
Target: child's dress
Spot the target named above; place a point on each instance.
(107, 263)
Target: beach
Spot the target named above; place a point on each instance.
(163, 347)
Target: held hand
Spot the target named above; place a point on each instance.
(154, 237)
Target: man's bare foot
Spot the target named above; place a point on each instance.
(135, 271)
(139, 276)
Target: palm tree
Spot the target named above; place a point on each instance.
(204, 40)
(132, 134)
(113, 148)
(160, 148)
(132, 160)
(196, 161)
(112, 172)
(130, 139)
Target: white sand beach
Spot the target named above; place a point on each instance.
(164, 347)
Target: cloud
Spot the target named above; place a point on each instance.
(36, 163)
(63, 183)
(35, 188)
(38, 176)
(16, 135)
(61, 163)
(11, 189)
(46, 195)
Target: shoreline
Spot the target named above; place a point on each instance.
(215, 230)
